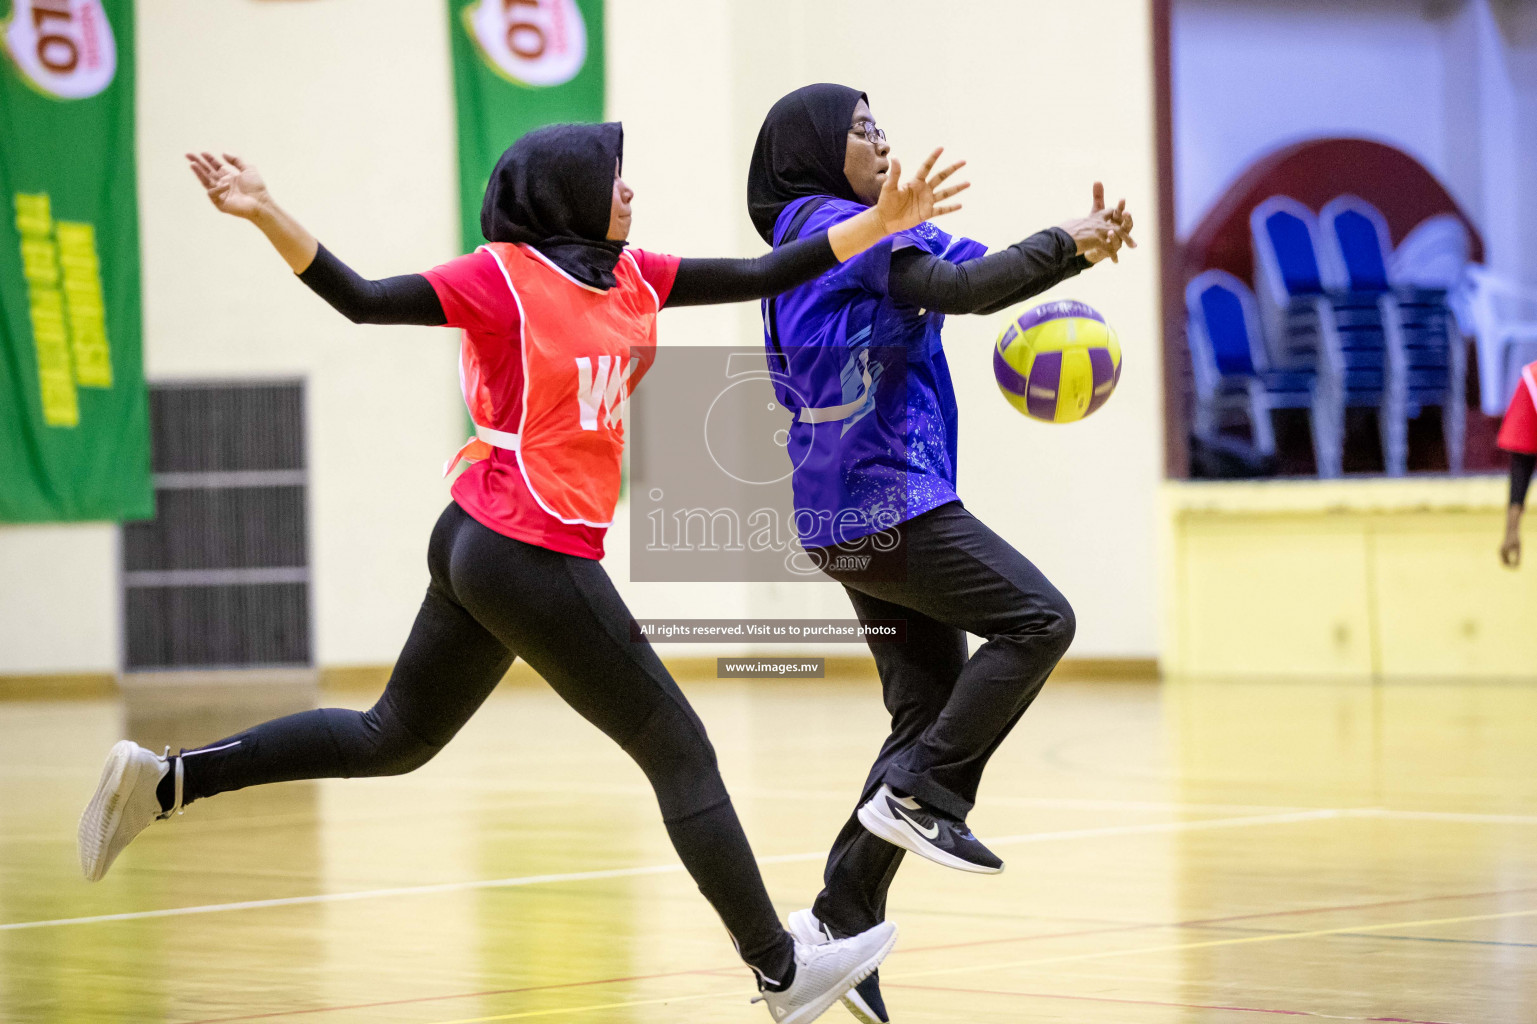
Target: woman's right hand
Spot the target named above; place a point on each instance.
(238, 190)
(233, 187)
(1510, 549)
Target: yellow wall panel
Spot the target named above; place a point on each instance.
(1371, 578)
(1445, 607)
(1262, 595)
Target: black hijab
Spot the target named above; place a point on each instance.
(553, 189)
(800, 152)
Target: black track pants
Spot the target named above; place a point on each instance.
(493, 598)
(947, 575)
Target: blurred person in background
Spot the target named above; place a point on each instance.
(559, 323)
(880, 466)
(1518, 436)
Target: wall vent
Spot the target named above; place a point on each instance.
(220, 577)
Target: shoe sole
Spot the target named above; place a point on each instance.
(856, 1006)
(93, 843)
(898, 834)
(811, 1011)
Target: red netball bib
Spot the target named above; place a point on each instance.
(561, 406)
(1519, 431)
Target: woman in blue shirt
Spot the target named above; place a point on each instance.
(858, 360)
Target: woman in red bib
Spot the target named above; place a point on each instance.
(559, 323)
(1518, 436)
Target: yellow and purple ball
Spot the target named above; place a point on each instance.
(1058, 362)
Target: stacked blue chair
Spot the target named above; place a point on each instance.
(1234, 382)
(1427, 362)
(1340, 335)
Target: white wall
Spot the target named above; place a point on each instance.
(1452, 83)
(1250, 77)
(346, 106)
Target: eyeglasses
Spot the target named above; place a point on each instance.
(868, 131)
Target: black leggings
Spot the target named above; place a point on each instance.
(947, 575)
(493, 598)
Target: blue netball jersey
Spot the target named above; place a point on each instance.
(873, 440)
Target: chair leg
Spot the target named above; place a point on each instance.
(1454, 427)
(1454, 415)
(1262, 430)
(1395, 438)
(1328, 439)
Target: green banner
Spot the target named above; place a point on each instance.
(518, 64)
(74, 423)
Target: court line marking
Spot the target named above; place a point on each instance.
(733, 969)
(598, 1006)
(256, 822)
(1159, 1002)
(708, 972)
(1247, 940)
(972, 968)
(1394, 938)
(655, 869)
(1111, 928)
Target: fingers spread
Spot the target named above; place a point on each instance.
(197, 169)
(940, 211)
(946, 193)
(240, 166)
(942, 175)
(893, 174)
(928, 165)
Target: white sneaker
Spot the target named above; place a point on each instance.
(826, 970)
(864, 1000)
(124, 805)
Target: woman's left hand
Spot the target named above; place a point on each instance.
(1101, 234)
(906, 205)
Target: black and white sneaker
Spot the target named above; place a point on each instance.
(825, 971)
(903, 821)
(863, 1000)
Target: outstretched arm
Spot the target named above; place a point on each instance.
(988, 283)
(1521, 467)
(237, 189)
(705, 282)
(999, 280)
(710, 281)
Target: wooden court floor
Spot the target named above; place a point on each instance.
(1212, 853)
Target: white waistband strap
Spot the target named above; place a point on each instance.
(497, 438)
(830, 413)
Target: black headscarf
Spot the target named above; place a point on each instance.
(553, 189)
(800, 152)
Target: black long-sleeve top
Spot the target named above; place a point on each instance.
(983, 285)
(410, 298)
(1521, 467)
(988, 283)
